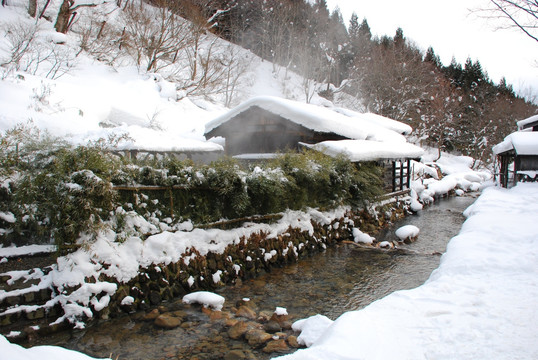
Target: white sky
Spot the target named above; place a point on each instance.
(452, 30)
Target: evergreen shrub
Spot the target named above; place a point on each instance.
(66, 193)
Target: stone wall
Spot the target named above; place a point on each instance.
(247, 259)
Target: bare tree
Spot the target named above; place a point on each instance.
(392, 81)
(21, 39)
(155, 35)
(32, 8)
(235, 67)
(68, 11)
(522, 14)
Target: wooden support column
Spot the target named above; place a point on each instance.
(393, 176)
(401, 174)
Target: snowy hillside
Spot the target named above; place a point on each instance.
(61, 84)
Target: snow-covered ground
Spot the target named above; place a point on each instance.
(16, 352)
(479, 304)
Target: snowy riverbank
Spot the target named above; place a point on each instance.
(480, 302)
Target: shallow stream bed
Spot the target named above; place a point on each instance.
(340, 279)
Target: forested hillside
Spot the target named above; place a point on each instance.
(456, 107)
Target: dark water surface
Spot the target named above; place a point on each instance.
(340, 279)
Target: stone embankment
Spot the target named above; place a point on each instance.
(29, 307)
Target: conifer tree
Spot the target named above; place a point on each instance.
(432, 57)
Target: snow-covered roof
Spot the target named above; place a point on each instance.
(385, 122)
(316, 118)
(141, 138)
(521, 124)
(522, 142)
(365, 150)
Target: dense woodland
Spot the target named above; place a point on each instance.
(455, 106)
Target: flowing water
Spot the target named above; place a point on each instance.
(342, 278)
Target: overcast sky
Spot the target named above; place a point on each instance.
(453, 30)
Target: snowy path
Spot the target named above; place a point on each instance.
(479, 304)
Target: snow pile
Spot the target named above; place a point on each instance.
(280, 311)
(311, 329)
(15, 251)
(457, 174)
(407, 231)
(17, 352)
(360, 237)
(206, 298)
(480, 303)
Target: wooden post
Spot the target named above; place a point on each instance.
(401, 174)
(409, 173)
(394, 176)
(171, 203)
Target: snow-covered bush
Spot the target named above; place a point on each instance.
(55, 191)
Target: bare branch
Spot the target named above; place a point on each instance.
(521, 14)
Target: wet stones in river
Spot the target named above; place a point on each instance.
(246, 312)
(167, 321)
(279, 345)
(152, 315)
(272, 326)
(239, 329)
(257, 337)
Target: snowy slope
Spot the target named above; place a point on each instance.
(90, 99)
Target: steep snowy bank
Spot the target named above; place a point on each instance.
(480, 302)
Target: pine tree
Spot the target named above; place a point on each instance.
(354, 27)
(432, 57)
(399, 39)
(364, 31)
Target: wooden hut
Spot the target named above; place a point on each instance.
(263, 126)
(517, 155)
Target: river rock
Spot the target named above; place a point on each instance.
(167, 321)
(245, 302)
(272, 326)
(235, 355)
(286, 325)
(152, 315)
(238, 330)
(231, 322)
(276, 346)
(279, 318)
(246, 312)
(256, 337)
(292, 341)
(264, 316)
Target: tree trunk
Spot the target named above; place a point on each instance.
(32, 8)
(64, 14)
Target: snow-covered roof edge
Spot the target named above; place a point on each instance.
(383, 121)
(521, 124)
(364, 150)
(316, 118)
(522, 142)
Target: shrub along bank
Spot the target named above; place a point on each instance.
(53, 191)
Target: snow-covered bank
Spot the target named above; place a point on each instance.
(479, 303)
(17, 352)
